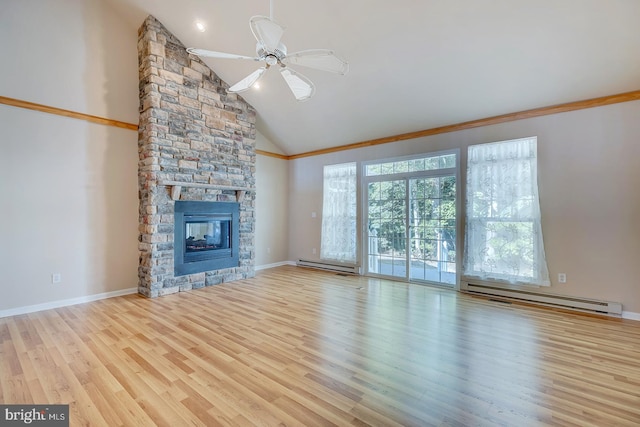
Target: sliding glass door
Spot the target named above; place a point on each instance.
(410, 212)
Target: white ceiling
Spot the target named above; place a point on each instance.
(414, 64)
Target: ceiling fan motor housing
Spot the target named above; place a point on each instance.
(279, 53)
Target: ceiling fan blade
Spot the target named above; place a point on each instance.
(320, 59)
(266, 32)
(222, 55)
(301, 86)
(248, 81)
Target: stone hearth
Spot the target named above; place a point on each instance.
(194, 133)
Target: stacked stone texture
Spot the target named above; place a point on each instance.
(191, 130)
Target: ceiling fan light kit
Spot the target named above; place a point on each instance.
(271, 51)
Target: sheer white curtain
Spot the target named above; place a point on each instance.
(503, 236)
(339, 210)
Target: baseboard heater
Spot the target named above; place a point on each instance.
(581, 304)
(323, 265)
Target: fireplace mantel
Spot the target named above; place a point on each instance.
(176, 188)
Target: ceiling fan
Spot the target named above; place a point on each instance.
(271, 51)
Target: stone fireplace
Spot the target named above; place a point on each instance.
(196, 171)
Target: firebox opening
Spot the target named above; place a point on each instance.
(206, 236)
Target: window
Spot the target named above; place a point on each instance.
(419, 164)
(339, 211)
(503, 238)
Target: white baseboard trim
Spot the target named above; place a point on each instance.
(65, 302)
(275, 264)
(630, 315)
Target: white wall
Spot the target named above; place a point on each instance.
(589, 172)
(69, 188)
(272, 215)
(272, 206)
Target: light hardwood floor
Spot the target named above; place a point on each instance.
(299, 347)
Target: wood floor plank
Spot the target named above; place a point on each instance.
(301, 347)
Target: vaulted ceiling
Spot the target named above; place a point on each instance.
(414, 64)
